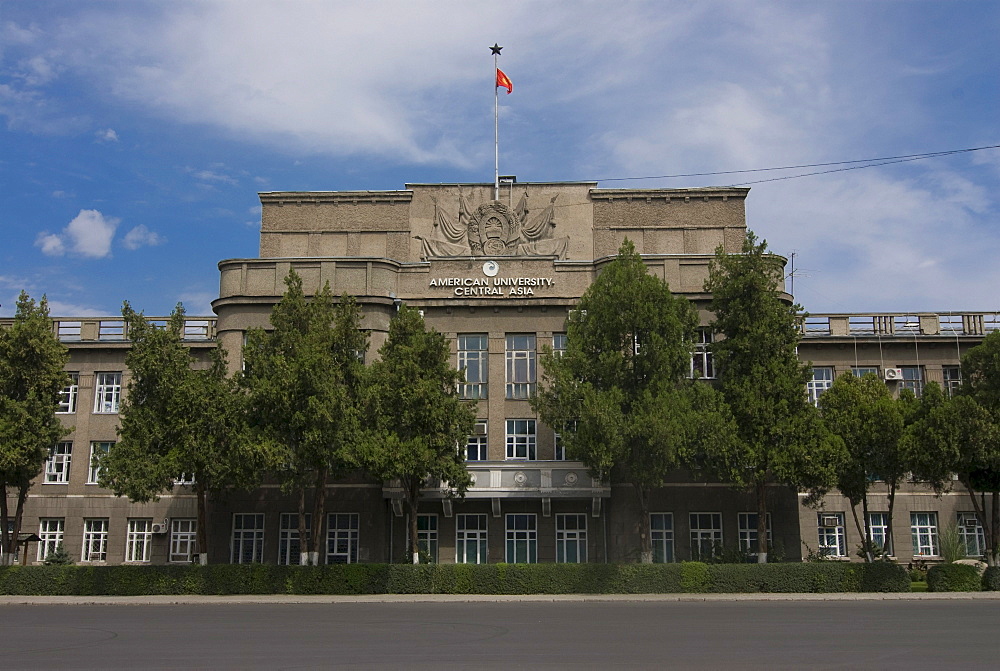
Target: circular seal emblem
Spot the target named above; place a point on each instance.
(520, 478)
(472, 477)
(571, 479)
(491, 268)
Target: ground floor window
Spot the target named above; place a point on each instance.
(878, 523)
(289, 548)
(748, 532)
(470, 539)
(342, 538)
(832, 541)
(248, 538)
(139, 540)
(95, 540)
(924, 532)
(427, 538)
(972, 534)
(50, 533)
(571, 538)
(661, 528)
(183, 540)
(522, 539)
(706, 535)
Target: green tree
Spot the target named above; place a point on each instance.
(870, 423)
(619, 395)
(780, 436)
(304, 380)
(179, 420)
(419, 424)
(31, 378)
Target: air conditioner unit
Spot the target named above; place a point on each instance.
(893, 373)
(831, 521)
(160, 528)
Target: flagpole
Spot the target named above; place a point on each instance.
(496, 125)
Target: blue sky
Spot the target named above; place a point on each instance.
(134, 136)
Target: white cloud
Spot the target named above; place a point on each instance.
(106, 135)
(89, 234)
(140, 236)
(212, 176)
(198, 303)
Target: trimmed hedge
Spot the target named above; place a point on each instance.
(991, 579)
(218, 579)
(953, 578)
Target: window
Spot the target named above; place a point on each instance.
(559, 344)
(878, 523)
(952, 379)
(830, 527)
(111, 330)
(706, 535)
(57, 465)
(248, 538)
(427, 538)
(522, 539)
(342, 538)
(97, 450)
(521, 439)
(702, 363)
(972, 534)
(913, 379)
(183, 540)
(95, 540)
(139, 540)
(861, 371)
(184, 480)
(822, 380)
(67, 397)
(473, 360)
(924, 532)
(107, 392)
(661, 527)
(560, 449)
(477, 447)
(571, 538)
(470, 539)
(50, 534)
(289, 548)
(520, 365)
(748, 532)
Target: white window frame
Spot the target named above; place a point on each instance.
(98, 448)
(69, 394)
(913, 379)
(521, 546)
(247, 541)
(477, 446)
(822, 379)
(474, 361)
(702, 360)
(139, 540)
(560, 343)
(832, 540)
(51, 531)
(748, 532)
(571, 538)
(107, 392)
(705, 536)
(95, 540)
(521, 365)
(521, 440)
(57, 464)
(878, 524)
(427, 537)
(183, 540)
(951, 377)
(924, 534)
(861, 371)
(289, 548)
(972, 533)
(342, 536)
(661, 534)
(471, 540)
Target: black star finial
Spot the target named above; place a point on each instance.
(496, 49)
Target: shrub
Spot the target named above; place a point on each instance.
(58, 557)
(953, 578)
(695, 577)
(991, 579)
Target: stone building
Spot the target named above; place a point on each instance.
(498, 278)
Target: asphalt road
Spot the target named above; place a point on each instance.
(690, 635)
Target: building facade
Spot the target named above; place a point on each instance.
(499, 279)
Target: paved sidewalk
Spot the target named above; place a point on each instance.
(477, 598)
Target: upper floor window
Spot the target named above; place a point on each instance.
(97, 450)
(107, 392)
(57, 465)
(520, 365)
(473, 360)
(67, 397)
(861, 371)
(913, 379)
(822, 380)
(476, 449)
(521, 439)
(702, 364)
(559, 344)
(952, 379)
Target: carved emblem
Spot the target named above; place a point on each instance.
(571, 479)
(493, 229)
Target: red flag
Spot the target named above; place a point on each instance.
(504, 81)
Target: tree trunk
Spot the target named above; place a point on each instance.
(993, 550)
(867, 535)
(980, 510)
(319, 513)
(7, 556)
(10, 538)
(202, 499)
(645, 534)
(762, 547)
(889, 549)
(304, 531)
(412, 501)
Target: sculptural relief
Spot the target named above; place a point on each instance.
(493, 229)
